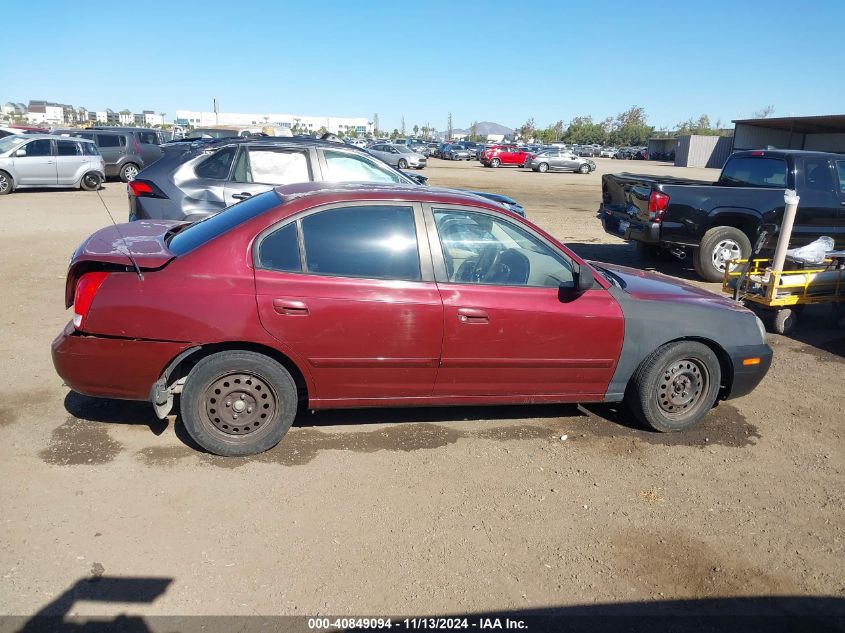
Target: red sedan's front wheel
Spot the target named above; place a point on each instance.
(238, 403)
(675, 387)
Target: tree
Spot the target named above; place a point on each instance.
(416, 129)
(321, 131)
(375, 124)
(526, 131)
(473, 131)
(700, 126)
(394, 134)
(765, 112)
(402, 125)
(630, 127)
(449, 128)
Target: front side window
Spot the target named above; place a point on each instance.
(41, 147)
(68, 148)
(372, 242)
(481, 249)
(218, 165)
(840, 168)
(273, 166)
(346, 167)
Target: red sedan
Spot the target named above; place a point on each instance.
(326, 296)
(497, 155)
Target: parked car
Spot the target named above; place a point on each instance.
(126, 152)
(718, 222)
(559, 160)
(42, 160)
(624, 153)
(456, 151)
(14, 131)
(399, 156)
(607, 152)
(503, 155)
(318, 296)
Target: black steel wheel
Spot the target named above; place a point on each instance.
(238, 403)
(90, 182)
(675, 387)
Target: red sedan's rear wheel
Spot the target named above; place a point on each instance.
(238, 403)
(675, 387)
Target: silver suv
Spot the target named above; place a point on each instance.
(42, 160)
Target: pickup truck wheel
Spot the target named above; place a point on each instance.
(238, 403)
(543, 168)
(718, 246)
(675, 387)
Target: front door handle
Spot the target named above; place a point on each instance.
(473, 316)
(241, 196)
(290, 308)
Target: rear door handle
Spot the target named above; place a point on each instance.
(472, 316)
(241, 196)
(289, 307)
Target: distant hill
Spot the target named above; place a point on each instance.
(486, 127)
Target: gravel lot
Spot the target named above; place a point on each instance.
(418, 511)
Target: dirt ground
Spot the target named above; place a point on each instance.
(417, 511)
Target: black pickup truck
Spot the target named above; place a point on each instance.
(719, 221)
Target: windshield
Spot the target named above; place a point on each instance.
(404, 150)
(11, 142)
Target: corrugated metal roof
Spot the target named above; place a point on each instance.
(834, 123)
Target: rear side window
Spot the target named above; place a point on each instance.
(213, 226)
(752, 171)
(89, 149)
(372, 242)
(817, 175)
(346, 167)
(273, 166)
(110, 140)
(218, 165)
(151, 138)
(840, 169)
(280, 250)
(69, 148)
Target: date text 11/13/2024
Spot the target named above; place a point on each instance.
(435, 624)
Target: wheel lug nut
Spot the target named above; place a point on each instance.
(243, 396)
(249, 409)
(235, 416)
(228, 403)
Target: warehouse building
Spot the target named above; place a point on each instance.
(818, 133)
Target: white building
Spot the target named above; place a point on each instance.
(45, 112)
(305, 123)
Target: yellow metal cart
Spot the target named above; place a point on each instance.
(786, 293)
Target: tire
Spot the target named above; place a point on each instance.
(6, 184)
(718, 245)
(90, 182)
(129, 171)
(543, 168)
(402, 164)
(675, 387)
(785, 320)
(265, 388)
(584, 169)
(495, 162)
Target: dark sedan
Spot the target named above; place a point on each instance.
(317, 296)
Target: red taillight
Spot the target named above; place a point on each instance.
(758, 153)
(141, 189)
(83, 296)
(657, 203)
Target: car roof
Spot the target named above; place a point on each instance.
(325, 192)
(32, 137)
(783, 153)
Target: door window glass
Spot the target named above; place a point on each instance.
(109, 140)
(817, 175)
(376, 242)
(345, 167)
(481, 249)
(280, 250)
(40, 147)
(68, 148)
(276, 166)
(840, 168)
(217, 166)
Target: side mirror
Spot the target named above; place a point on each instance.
(417, 178)
(20, 152)
(582, 280)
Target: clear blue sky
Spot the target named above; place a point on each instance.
(493, 61)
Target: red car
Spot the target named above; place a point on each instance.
(322, 295)
(497, 155)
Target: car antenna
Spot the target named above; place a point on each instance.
(125, 244)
